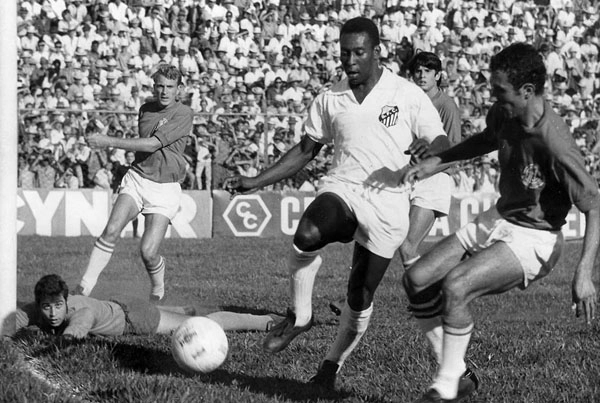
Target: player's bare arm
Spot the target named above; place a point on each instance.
(420, 148)
(288, 165)
(583, 291)
(80, 323)
(148, 144)
(474, 146)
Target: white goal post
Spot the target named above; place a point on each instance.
(8, 164)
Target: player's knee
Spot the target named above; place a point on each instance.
(414, 282)
(455, 290)
(307, 238)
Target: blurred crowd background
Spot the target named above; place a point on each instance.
(252, 68)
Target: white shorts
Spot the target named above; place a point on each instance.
(433, 193)
(537, 250)
(152, 197)
(382, 216)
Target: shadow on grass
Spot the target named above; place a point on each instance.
(292, 389)
(150, 360)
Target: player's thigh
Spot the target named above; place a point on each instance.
(493, 270)
(124, 210)
(366, 274)
(155, 228)
(434, 265)
(327, 219)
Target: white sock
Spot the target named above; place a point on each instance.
(240, 321)
(433, 331)
(157, 279)
(99, 258)
(453, 364)
(353, 325)
(303, 268)
(411, 261)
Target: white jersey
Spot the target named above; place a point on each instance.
(370, 138)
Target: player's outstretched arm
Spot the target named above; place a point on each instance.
(473, 146)
(80, 323)
(145, 144)
(288, 165)
(583, 290)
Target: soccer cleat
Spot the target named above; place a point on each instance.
(467, 384)
(432, 396)
(337, 306)
(154, 298)
(284, 332)
(326, 375)
(78, 290)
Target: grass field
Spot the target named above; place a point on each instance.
(527, 347)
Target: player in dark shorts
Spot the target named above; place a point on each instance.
(55, 311)
(519, 239)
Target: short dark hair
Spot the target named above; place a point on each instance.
(168, 71)
(50, 285)
(522, 64)
(426, 59)
(361, 25)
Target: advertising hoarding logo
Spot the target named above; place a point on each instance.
(247, 215)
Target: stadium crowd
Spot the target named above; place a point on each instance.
(252, 68)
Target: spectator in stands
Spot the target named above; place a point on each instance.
(72, 49)
(44, 167)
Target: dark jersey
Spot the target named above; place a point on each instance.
(450, 116)
(542, 171)
(171, 126)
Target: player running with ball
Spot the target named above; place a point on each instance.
(517, 241)
(371, 118)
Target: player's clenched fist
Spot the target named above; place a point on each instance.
(238, 184)
(98, 141)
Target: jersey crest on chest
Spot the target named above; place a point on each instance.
(389, 115)
(532, 177)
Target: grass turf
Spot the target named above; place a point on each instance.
(527, 346)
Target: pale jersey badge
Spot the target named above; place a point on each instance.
(532, 177)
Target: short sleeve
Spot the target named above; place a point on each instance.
(317, 125)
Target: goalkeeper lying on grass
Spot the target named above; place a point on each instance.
(56, 312)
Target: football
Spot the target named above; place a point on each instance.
(199, 345)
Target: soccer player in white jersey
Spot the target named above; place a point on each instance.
(370, 117)
(430, 198)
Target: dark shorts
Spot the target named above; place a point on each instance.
(141, 317)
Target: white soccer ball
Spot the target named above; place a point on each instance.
(199, 345)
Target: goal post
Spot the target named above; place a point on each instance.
(8, 165)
